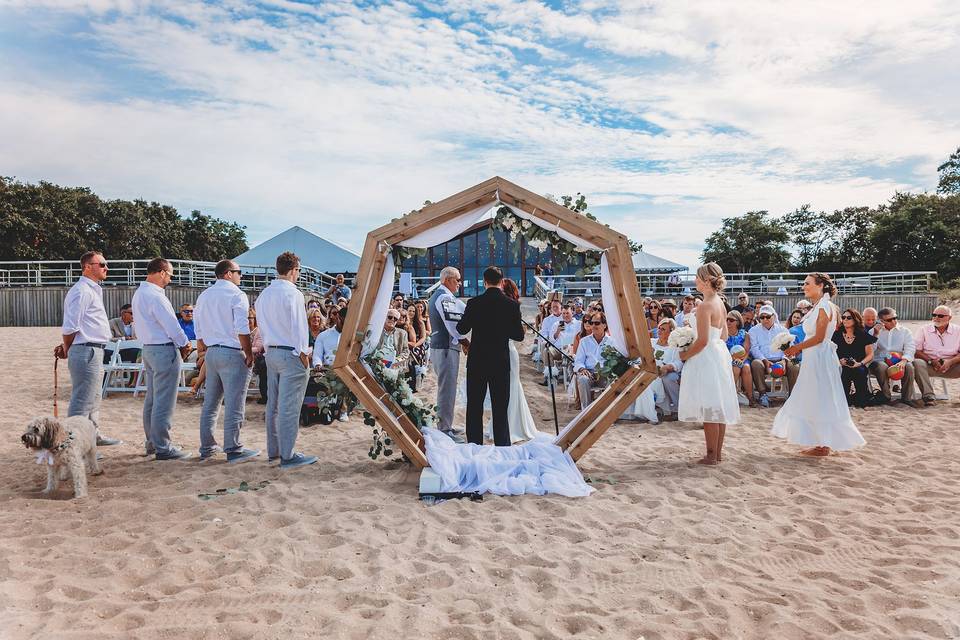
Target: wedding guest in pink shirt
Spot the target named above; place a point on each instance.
(938, 352)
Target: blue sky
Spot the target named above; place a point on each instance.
(339, 115)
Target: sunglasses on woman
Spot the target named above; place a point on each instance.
(596, 322)
(846, 317)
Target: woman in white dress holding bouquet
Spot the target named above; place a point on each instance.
(707, 392)
(816, 414)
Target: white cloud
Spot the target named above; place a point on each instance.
(338, 117)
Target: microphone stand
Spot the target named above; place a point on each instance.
(553, 395)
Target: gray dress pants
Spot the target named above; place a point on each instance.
(161, 367)
(286, 383)
(227, 380)
(446, 364)
(86, 376)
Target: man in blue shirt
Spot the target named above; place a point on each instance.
(185, 318)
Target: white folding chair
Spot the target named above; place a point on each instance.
(118, 373)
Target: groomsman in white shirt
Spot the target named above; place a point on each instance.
(283, 327)
(165, 346)
(85, 333)
(220, 320)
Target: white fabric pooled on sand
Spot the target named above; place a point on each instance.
(537, 466)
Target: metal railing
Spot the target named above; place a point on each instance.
(753, 284)
(187, 273)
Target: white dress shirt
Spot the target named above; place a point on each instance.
(220, 315)
(549, 324)
(282, 317)
(588, 353)
(761, 340)
(325, 347)
(567, 334)
(154, 320)
(84, 315)
(668, 355)
(898, 339)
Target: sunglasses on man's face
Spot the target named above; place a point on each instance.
(765, 317)
(236, 271)
(891, 319)
(939, 315)
(102, 265)
(187, 311)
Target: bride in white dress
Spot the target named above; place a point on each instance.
(707, 393)
(816, 413)
(522, 426)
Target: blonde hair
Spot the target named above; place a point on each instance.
(712, 274)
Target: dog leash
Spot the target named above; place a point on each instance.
(56, 361)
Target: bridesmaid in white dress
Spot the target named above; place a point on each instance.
(816, 413)
(707, 393)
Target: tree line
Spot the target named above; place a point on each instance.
(45, 221)
(911, 232)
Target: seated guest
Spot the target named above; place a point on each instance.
(795, 326)
(566, 329)
(324, 353)
(586, 363)
(743, 303)
(870, 321)
(747, 316)
(669, 308)
(338, 290)
(316, 323)
(763, 355)
(122, 328)
(398, 302)
(737, 336)
(393, 347)
(894, 338)
(646, 306)
(547, 327)
(855, 351)
(578, 309)
(656, 315)
(688, 302)
(313, 304)
(585, 330)
(669, 365)
(185, 318)
(804, 307)
(938, 352)
(259, 355)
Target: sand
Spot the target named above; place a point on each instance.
(769, 545)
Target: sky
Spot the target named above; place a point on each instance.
(339, 116)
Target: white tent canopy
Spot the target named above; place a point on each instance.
(644, 262)
(314, 251)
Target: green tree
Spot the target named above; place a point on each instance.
(950, 175)
(837, 241)
(45, 221)
(578, 204)
(751, 242)
(917, 232)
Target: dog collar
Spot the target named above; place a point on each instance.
(47, 455)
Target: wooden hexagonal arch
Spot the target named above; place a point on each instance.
(587, 426)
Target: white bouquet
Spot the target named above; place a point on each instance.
(682, 338)
(782, 340)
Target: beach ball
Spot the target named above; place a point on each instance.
(896, 371)
(737, 352)
(778, 369)
(893, 359)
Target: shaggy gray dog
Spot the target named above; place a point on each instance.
(64, 446)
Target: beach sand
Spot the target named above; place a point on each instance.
(769, 545)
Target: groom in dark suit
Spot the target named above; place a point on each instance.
(494, 319)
